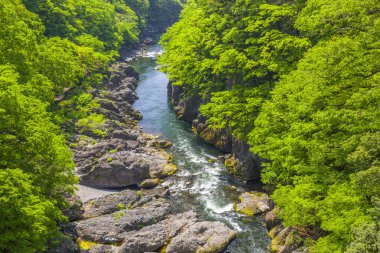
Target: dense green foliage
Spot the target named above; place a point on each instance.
(27, 216)
(239, 45)
(299, 81)
(163, 13)
(51, 53)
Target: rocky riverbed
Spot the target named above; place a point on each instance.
(244, 165)
(119, 155)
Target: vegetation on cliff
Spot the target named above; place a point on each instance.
(51, 53)
(299, 81)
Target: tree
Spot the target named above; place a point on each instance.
(318, 129)
(27, 217)
(30, 141)
(323, 122)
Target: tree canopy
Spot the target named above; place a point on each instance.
(299, 81)
(52, 49)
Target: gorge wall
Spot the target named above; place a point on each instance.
(243, 163)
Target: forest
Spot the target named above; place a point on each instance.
(299, 81)
(52, 52)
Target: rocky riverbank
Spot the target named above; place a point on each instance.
(116, 155)
(122, 155)
(246, 166)
(283, 239)
(242, 163)
(134, 221)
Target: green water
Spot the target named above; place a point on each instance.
(199, 184)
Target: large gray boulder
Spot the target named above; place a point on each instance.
(143, 221)
(179, 233)
(113, 228)
(125, 168)
(154, 237)
(202, 237)
(117, 170)
(112, 203)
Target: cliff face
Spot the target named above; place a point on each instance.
(243, 162)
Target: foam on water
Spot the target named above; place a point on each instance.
(153, 52)
(219, 209)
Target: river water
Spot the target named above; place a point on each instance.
(201, 183)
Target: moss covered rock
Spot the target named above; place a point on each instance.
(231, 164)
(149, 183)
(164, 171)
(253, 203)
(289, 239)
(272, 219)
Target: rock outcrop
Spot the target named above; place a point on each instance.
(283, 239)
(122, 155)
(134, 221)
(271, 218)
(253, 203)
(288, 240)
(201, 237)
(149, 183)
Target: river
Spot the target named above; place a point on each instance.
(201, 183)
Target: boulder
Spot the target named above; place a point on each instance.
(154, 237)
(142, 221)
(216, 137)
(115, 79)
(175, 93)
(128, 70)
(206, 236)
(74, 211)
(146, 225)
(148, 239)
(126, 134)
(253, 203)
(132, 220)
(124, 95)
(191, 108)
(284, 242)
(111, 203)
(113, 228)
(271, 218)
(121, 72)
(129, 111)
(149, 183)
(163, 171)
(161, 143)
(275, 231)
(290, 239)
(66, 245)
(108, 104)
(117, 170)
